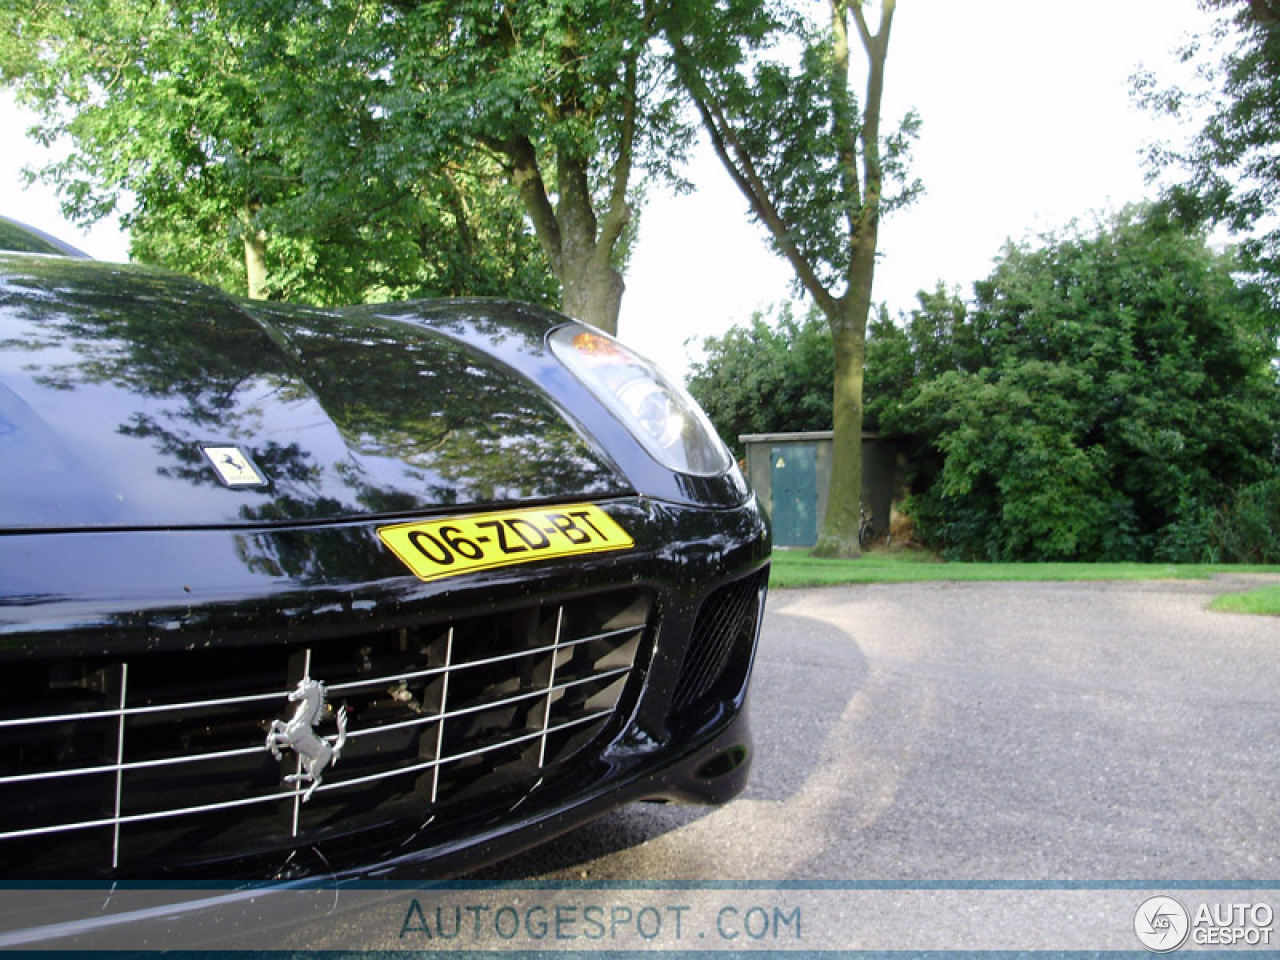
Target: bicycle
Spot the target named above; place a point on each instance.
(866, 532)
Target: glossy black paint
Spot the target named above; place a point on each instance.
(113, 376)
(127, 590)
(116, 539)
(517, 336)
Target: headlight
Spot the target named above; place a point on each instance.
(662, 416)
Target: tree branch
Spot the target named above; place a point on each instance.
(859, 18)
(526, 177)
(457, 202)
(737, 161)
(877, 49)
(842, 121)
(615, 219)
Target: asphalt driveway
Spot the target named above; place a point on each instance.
(1088, 733)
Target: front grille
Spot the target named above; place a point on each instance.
(126, 766)
(726, 626)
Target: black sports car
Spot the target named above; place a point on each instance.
(289, 592)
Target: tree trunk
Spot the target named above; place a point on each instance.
(580, 253)
(255, 263)
(591, 287)
(593, 295)
(839, 536)
(861, 190)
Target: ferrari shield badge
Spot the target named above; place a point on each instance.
(233, 466)
(316, 752)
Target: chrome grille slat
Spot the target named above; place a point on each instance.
(141, 817)
(284, 692)
(491, 661)
(124, 697)
(482, 712)
(142, 711)
(482, 707)
(291, 794)
(444, 702)
(121, 767)
(551, 685)
(479, 751)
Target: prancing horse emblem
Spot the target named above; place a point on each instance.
(317, 752)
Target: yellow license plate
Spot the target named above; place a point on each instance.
(445, 548)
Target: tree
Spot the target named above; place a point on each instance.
(766, 377)
(355, 136)
(937, 336)
(817, 172)
(1231, 165)
(257, 152)
(1105, 392)
(94, 72)
(571, 98)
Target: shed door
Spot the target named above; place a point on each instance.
(795, 495)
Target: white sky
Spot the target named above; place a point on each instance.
(1027, 123)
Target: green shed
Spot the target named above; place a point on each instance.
(790, 473)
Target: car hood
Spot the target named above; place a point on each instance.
(120, 385)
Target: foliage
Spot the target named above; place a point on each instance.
(766, 377)
(1230, 169)
(791, 131)
(935, 337)
(92, 72)
(229, 125)
(1102, 393)
(359, 148)
(573, 98)
(776, 94)
(1246, 529)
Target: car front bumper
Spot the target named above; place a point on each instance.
(152, 662)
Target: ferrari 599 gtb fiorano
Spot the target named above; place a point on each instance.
(290, 592)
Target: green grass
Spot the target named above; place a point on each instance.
(1265, 601)
(795, 568)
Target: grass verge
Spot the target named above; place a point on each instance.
(795, 568)
(1264, 601)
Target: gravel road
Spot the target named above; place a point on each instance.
(1088, 733)
(1033, 737)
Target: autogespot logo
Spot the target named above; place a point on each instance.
(1162, 924)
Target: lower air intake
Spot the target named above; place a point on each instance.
(115, 767)
(723, 637)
